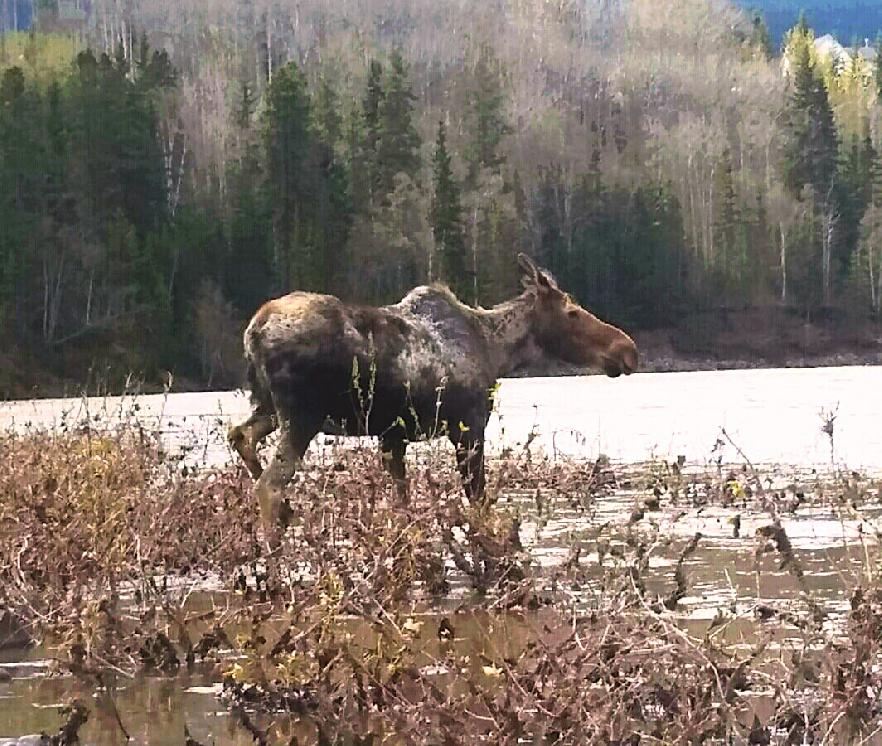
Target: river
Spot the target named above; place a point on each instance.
(774, 415)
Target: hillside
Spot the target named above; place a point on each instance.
(163, 174)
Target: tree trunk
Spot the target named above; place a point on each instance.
(829, 229)
(269, 51)
(878, 293)
(56, 300)
(783, 263)
(88, 319)
(475, 256)
(45, 299)
(709, 217)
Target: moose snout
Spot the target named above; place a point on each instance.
(621, 358)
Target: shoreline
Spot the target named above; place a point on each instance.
(650, 363)
(741, 339)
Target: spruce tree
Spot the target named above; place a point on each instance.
(824, 143)
(326, 114)
(486, 115)
(759, 36)
(446, 217)
(726, 219)
(398, 145)
(798, 117)
(332, 191)
(358, 161)
(371, 104)
(19, 209)
(307, 186)
(288, 147)
(248, 276)
(811, 145)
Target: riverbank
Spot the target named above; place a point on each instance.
(762, 338)
(771, 337)
(753, 338)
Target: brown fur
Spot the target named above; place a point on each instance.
(423, 367)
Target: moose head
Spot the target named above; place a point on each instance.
(565, 330)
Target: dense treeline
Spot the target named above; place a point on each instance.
(658, 159)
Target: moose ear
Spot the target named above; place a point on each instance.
(544, 281)
(527, 266)
(533, 275)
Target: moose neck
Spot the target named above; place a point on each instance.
(509, 333)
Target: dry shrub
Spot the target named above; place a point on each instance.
(90, 517)
(377, 620)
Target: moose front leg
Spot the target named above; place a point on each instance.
(470, 460)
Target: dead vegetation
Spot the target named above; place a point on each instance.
(427, 622)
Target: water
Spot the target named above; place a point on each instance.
(154, 710)
(774, 416)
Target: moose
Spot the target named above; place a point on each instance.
(423, 367)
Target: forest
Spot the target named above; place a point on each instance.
(162, 174)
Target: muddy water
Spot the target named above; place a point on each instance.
(774, 415)
(153, 710)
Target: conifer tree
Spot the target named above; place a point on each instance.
(288, 145)
(446, 219)
(358, 161)
(726, 218)
(307, 186)
(811, 145)
(371, 104)
(824, 143)
(326, 114)
(398, 144)
(759, 35)
(249, 272)
(486, 115)
(19, 209)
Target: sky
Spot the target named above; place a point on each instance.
(850, 21)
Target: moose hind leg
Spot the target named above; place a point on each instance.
(392, 450)
(470, 461)
(246, 436)
(293, 442)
